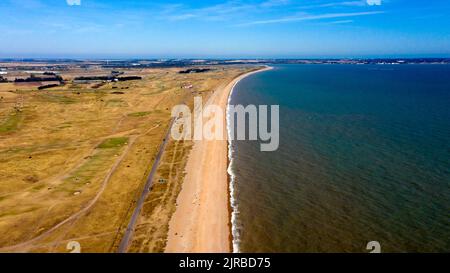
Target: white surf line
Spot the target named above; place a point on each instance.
(234, 206)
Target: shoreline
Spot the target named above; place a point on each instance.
(202, 221)
(232, 206)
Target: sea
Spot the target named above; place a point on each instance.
(364, 156)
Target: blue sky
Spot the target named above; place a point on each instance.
(224, 28)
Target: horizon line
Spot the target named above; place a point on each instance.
(443, 56)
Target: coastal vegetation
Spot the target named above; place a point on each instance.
(113, 143)
(11, 122)
(74, 158)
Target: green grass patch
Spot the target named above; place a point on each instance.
(64, 126)
(38, 187)
(89, 169)
(92, 171)
(11, 123)
(113, 143)
(116, 103)
(139, 114)
(58, 98)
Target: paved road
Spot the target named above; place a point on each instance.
(123, 247)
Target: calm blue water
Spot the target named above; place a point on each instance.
(364, 156)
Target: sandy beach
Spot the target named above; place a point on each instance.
(201, 222)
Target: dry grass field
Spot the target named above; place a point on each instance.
(74, 159)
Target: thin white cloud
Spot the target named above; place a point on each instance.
(341, 22)
(354, 3)
(219, 11)
(241, 9)
(274, 3)
(73, 2)
(181, 17)
(29, 4)
(310, 17)
(374, 2)
(360, 3)
(222, 11)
